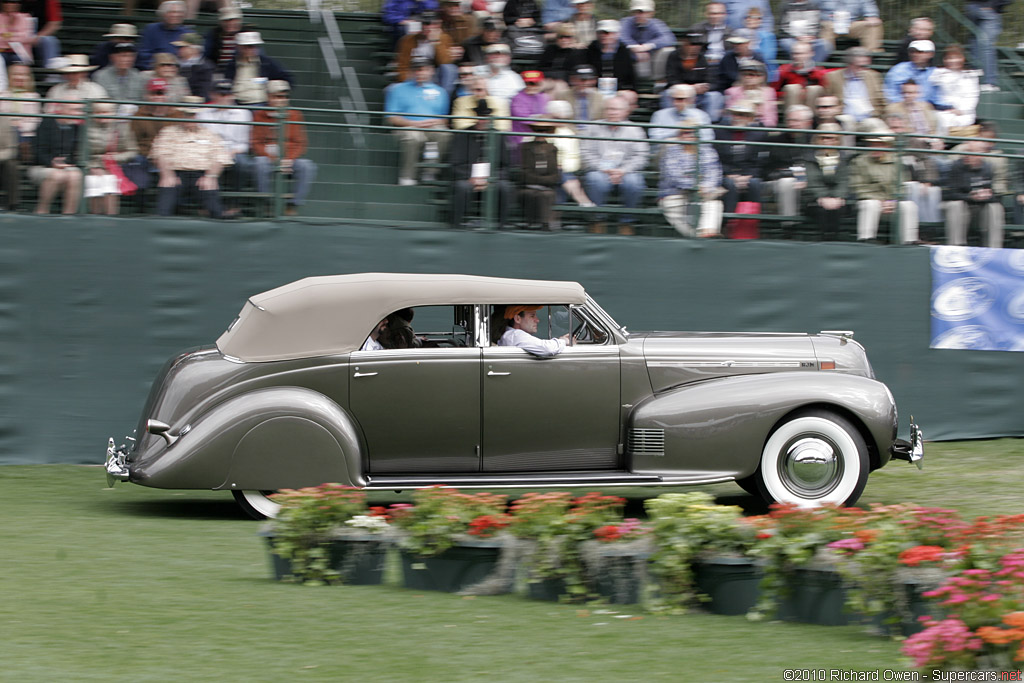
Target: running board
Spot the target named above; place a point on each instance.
(566, 479)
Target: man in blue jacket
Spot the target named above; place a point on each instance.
(919, 69)
(160, 36)
(397, 14)
(649, 39)
(252, 70)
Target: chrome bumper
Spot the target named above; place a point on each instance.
(911, 451)
(116, 464)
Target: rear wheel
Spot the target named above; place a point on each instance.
(257, 504)
(814, 458)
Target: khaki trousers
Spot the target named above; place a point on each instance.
(870, 37)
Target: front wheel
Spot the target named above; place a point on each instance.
(257, 504)
(814, 458)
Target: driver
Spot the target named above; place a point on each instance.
(520, 327)
(372, 342)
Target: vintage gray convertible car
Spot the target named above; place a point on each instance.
(287, 398)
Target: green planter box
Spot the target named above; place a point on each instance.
(918, 606)
(359, 562)
(453, 570)
(733, 584)
(551, 590)
(620, 576)
(814, 596)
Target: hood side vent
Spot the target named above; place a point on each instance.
(647, 441)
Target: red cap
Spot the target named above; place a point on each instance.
(156, 84)
(533, 76)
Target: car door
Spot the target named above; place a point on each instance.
(419, 408)
(550, 414)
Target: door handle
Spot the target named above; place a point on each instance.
(365, 374)
(492, 373)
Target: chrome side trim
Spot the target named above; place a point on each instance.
(666, 363)
(390, 486)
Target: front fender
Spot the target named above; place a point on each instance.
(280, 437)
(719, 427)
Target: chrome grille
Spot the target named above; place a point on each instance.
(647, 441)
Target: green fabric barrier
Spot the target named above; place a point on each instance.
(90, 308)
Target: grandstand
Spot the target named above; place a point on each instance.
(340, 61)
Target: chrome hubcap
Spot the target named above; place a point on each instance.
(811, 466)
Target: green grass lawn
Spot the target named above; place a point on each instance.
(141, 584)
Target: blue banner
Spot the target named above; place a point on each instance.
(977, 298)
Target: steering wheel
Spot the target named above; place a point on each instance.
(577, 333)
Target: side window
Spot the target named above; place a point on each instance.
(555, 321)
(428, 327)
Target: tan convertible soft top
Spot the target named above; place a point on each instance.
(319, 316)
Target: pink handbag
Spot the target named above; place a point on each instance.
(745, 228)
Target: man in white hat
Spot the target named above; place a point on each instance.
(610, 58)
(252, 70)
(502, 82)
(290, 159)
(118, 34)
(649, 39)
(76, 85)
(919, 69)
(220, 41)
(121, 79)
(160, 35)
(873, 180)
(190, 159)
(682, 112)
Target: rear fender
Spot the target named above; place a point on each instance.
(718, 428)
(280, 437)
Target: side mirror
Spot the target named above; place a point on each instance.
(161, 429)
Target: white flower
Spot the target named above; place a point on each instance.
(368, 523)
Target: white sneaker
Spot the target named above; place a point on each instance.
(989, 88)
(406, 181)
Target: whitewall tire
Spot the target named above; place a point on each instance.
(814, 458)
(257, 504)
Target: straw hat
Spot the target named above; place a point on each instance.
(76, 64)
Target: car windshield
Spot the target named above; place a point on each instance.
(600, 312)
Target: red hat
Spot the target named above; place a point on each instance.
(533, 76)
(512, 311)
(156, 84)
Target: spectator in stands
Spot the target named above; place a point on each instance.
(729, 68)
(467, 73)
(458, 26)
(190, 160)
(858, 19)
(568, 152)
(827, 111)
(762, 41)
(21, 99)
(121, 79)
(556, 14)
(632, 100)
(491, 31)
(801, 81)
(110, 144)
(584, 23)
(502, 81)
(470, 164)
(736, 12)
(681, 112)
(467, 104)
(956, 89)
(615, 161)
(918, 69)
(521, 13)
(828, 175)
(399, 15)
(220, 41)
(610, 58)
(919, 115)
(857, 87)
(801, 23)
(920, 174)
(787, 166)
(17, 32)
(528, 102)
(587, 102)
(688, 66)
(649, 39)
(165, 66)
(10, 173)
(49, 19)
(252, 70)
(971, 197)
(873, 181)
(1000, 165)
(432, 43)
(159, 37)
(267, 154)
(76, 85)
(118, 35)
(56, 170)
(714, 31)
(742, 164)
(561, 57)
(752, 88)
(231, 125)
(145, 130)
(541, 177)
(920, 28)
(193, 65)
(690, 173)
(414, 107)
(987, 16)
